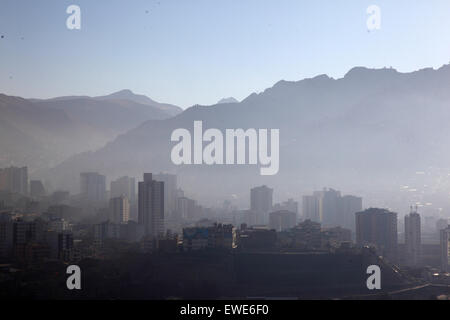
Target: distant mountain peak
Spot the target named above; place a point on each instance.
(358, 72)
(127, 94)
(124, 92)
(228, 100)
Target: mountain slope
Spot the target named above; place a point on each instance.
(110, 116)
(42, 133)
(365, 132)
(37, 136)
(141, 99)
(227, 100)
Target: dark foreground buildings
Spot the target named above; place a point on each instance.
(378, 228)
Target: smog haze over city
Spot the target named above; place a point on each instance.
(221, 150)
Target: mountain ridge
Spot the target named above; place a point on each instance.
(331, 130)
(51, 130)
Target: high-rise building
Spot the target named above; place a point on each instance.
(331, 209)
(282, 220)
(289, 205)
(119, 209)
(378, 228)
(348, 206)
(105, 230)
(151, 206)
(93, 186)
(311, 208)
(124, 186)
(441, 224)
(14, 180)
(170, 192)
(445, 249)
(61, 245)
(413, 242)
(261, 202)
(37, 189)
(6, 236)
(58, 225)
(186, 209)
(330, 205)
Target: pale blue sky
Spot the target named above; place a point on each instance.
(199, 51)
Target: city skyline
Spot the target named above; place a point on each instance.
(226, 150)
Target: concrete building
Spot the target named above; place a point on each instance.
(311, 208)
(105, 230)
(445, 249)
(131, 231)
(256, 238)
(119, 209)
(331, 209)
(289, 205)
(307, 235)
(58, 225)
(336, 236)
(329, 206)
(378, 228)
(14, 180)
(170, 192)
(282, 220)
(441, 224)
(214, 237)
(186, 209)
(348, 206)
(413, 241)
(61, 245)
(261, 201)
(93, 187)
(6, 236)
(124, 186)
(151, 206)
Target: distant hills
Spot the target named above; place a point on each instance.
(141, 99)
(228, 100)
(42, 133)
(369, 131)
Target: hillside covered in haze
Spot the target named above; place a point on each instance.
(367, 132)
(41, 133)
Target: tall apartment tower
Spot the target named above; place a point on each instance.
(170, 192)
(151, 206)
(445, 249)
(124, 186)
(330, 202)
(378, 227)
(331, 209)
(261, 201)
(14, 179)
(93, 186)
(413, 242)
(119, 209)
(349, 205)
(311, 208)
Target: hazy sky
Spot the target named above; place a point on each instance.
(199, 51)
